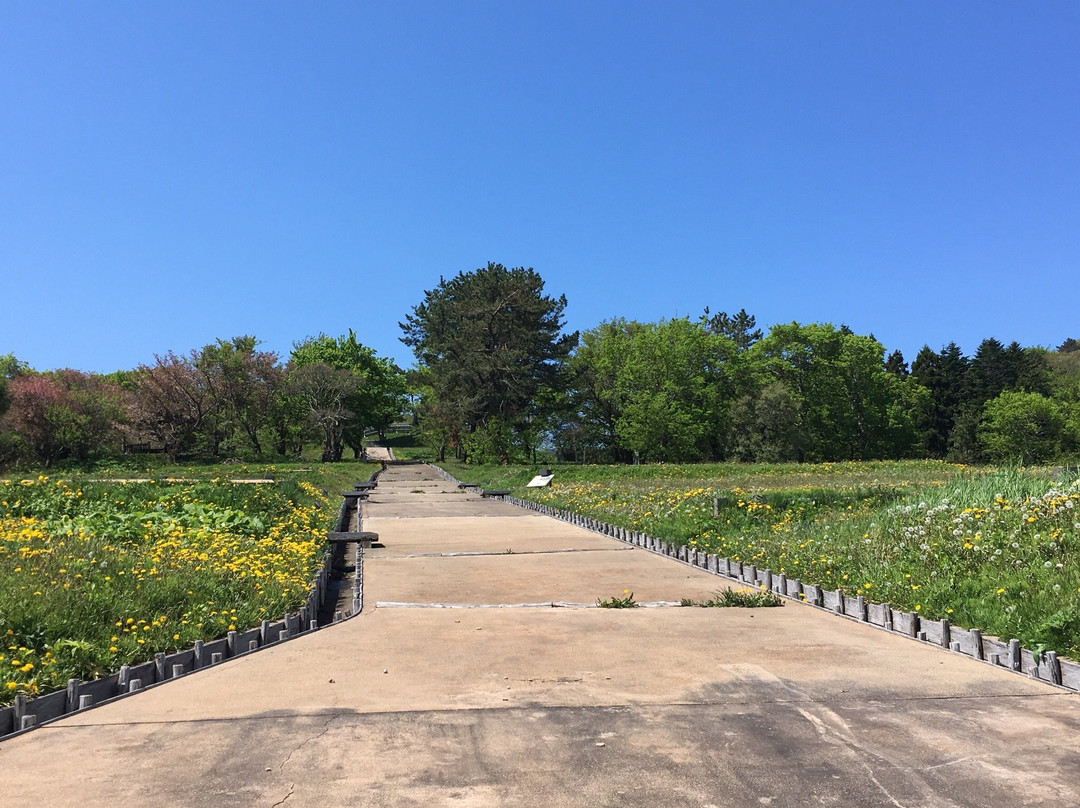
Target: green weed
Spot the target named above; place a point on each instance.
(997, 549)
(742, 598)
(625, 602)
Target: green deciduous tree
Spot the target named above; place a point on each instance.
(848, 405)
(1024, 427)
(248, 381)
(10, 367)
(376, 397)
(654, 391)
(597, 394)
(675, 392)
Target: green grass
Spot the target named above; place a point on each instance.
(990, 548)
(406, 446)
(739, 598)
(96, 573)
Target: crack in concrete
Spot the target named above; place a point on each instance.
(283, 800)
(299, 746)
(832, 728)
(306, 741)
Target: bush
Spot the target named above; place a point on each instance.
(1023, 427)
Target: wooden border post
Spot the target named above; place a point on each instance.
(1015, 660)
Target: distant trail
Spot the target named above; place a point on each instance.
(376, 452)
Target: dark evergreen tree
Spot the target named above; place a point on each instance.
(490, 341)
(896, 365)
(1032, 369)
(964, 445)
(944, 377)
(738, 328)
(991, 370)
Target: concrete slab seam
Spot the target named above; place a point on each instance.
(558, 604)
(470, 553)
(1046, 667)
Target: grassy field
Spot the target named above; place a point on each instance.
(994, 549)
(406, 447)
(96, 573)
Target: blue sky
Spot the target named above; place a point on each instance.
(173, 173)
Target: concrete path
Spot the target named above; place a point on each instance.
(506, 700)
(376, 452)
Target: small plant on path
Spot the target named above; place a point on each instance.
(744, 598)
(625, 602)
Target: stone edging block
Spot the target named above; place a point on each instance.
(27, 714)
(1047, 667)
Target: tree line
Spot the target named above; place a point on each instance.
(226, 399)
(498, 378)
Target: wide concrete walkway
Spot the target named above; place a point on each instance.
(505, 699)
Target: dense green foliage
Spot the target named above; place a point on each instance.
(492, 384)
(95, 574)
(715, 389)
(995, 550)
(497, 379)
(489, 348)
(228, 399)
(346, 389)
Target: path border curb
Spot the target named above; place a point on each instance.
(26, 715)
(1010, 656)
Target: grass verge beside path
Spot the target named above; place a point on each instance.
(987, 548)
(96, 574)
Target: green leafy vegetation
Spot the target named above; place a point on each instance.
(615, 602)
(344, 388)
(814, 437)
(227, 400)
(497, 379)
(992, 549)
(739, 598)
(489, 351)
(95, 574)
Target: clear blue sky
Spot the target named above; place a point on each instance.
(171, 173)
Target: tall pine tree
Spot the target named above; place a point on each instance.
(490, 340)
